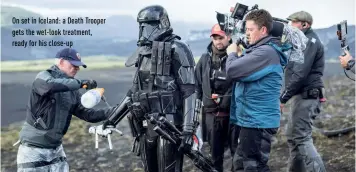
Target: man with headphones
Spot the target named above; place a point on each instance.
(303, 87)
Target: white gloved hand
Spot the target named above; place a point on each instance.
(198, 141)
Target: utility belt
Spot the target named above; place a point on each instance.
(142, 103)
(161, 102)
(217, 111)
(220, 114)
(313, 93)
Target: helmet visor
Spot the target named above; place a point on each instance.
(148, 31)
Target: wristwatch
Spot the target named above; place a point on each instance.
(350, 64)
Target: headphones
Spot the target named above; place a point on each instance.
(304, 25)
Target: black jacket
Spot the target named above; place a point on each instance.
(308, 75)
(55, 97)
(203, 86)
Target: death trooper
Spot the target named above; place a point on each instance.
(163, 86)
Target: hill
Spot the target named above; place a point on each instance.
(116, 37)
(199, 39)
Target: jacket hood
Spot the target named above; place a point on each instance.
(276, 44)
(259, 43)
(282, 49)
(209, 50)
(55, 71)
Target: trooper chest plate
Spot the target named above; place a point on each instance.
(155, 68)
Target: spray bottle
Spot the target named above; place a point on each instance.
(92, 97)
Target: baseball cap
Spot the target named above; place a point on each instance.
(301, 16)
(72, 56)
(216, 30)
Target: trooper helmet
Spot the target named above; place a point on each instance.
(153, 23)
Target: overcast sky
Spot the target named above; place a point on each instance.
(324, 12)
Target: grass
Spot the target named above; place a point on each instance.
(93, 63)
(10, 135)
(78, 128)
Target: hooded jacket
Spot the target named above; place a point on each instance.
(204, 85)
(308, 75)
(55, 97)
(258, 76)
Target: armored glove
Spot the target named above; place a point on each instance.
(108, 124)
(187, 142)
(88, 84)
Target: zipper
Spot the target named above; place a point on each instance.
(243, 100)
(38, 116)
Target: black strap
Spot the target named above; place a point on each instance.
(139, 61)
(41, 163)
(154, 60)
(150, 82)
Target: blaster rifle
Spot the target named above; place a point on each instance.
(166, 130)
(341, 34)
(118, 113)
(98, 130)
(169, 132)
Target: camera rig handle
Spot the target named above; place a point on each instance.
(341, 34)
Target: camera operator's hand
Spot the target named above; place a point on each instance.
(88, 84)
(345, 59)
(233, 48)
(281, 106)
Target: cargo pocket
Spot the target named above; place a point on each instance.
(154, 102)
(315, 109)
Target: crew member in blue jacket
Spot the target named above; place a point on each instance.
(257, 74)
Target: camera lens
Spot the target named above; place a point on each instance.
(240, 11)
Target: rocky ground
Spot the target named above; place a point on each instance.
(337, 152)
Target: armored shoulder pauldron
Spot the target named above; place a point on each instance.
(134, 58)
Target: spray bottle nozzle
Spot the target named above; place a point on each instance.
(92, 97)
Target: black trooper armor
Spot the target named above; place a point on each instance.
(164, 85)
